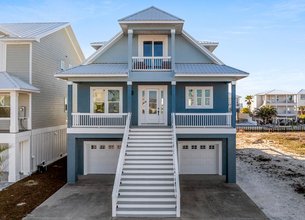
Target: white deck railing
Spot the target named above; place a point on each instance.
(151, 63)
(119, 169)
(176, 169)
(97, 120)
(205, 120)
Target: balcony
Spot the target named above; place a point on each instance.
(203, 120)
(151, 64)
(98, 120)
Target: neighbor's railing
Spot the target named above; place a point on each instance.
(97, 120)
(119, 169)
(203, 119)
(176, 169)
(151, 63)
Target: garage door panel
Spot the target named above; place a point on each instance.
(199, 157)
(101, 157)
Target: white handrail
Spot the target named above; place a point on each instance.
(119, 169)
(151, 63)
(176, 169)
(97, 120)
(204, 120)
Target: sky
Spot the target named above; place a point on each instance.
(263, 38)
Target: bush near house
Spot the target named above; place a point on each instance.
(266, 113)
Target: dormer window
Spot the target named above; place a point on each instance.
(153, 46)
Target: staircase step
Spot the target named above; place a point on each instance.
(149, 182)
(149, 144)
(143, 206)
(146, 213)
(150, 129)
(155, 166)
(151, 133)
(149, 141)
(149, 148)
(166, 187)
(142, 176)
(146, 199)
(149, 162)
(145, 154)
(148, 171)
(160, 137)
(152, 193)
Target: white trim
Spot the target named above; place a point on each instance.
(201, 48)
(203, 105)
(30, 63)
(90, 75)
(219, 151)
(151, 22)
(2, 56)
(106, 97)
(129, 83)
(80, 56)
(220, 75)
(233, 82)
(101, 50)
(157, 87)
(142, 38)
(205, 130)
(30, 116)
(108, 130)
(38, 37)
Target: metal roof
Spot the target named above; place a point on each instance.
(30, 30)
(151, 14)
(206, 68)
(96, 69)
(12, 83)
(276, 92)
(302, 91)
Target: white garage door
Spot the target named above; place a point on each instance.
(101, 157)
(200, 157)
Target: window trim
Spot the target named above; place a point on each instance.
(203, 106)
(106, 100)
(6, 118)
(142, 38)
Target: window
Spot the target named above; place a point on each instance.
(65, 104)
(194, 147)
(199, 97)
(102, 147)
(152, 45)
(93, 147)
(202, 147)
(106, 100)
(303, 97)
(185, 147)
(5, 106)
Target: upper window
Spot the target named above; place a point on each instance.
(4, 106)
(302, 96)
(199, 97)
(106, 100)
(152, 45)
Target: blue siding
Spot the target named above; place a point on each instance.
(220, 97)
(187, 53)
(83, 94)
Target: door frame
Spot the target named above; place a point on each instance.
(140, 88)
(218, 152)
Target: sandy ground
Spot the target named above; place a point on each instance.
(273, 179)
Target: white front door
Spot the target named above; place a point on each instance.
(152, 105)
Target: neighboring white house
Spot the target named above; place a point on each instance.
(284, 102)
(32, 101)
(301, 98)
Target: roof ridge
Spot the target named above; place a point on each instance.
(146, 9)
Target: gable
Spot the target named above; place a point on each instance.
(117, 53)
(188, 53)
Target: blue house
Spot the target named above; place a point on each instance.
(149, 105)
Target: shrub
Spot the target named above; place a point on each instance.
(245, 110)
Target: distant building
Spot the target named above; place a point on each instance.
(301, 98)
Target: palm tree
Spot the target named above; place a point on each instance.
(249, 100)
(266, 113)
(302, 110)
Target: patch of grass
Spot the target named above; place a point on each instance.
(292, 142)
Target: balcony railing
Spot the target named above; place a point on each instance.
(151, 63)
(98, 120)
(203, 120)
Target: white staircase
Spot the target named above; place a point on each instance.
(147, 184)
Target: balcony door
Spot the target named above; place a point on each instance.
(152, 105)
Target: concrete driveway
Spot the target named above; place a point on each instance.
(202, 197)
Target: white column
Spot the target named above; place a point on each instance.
(29, 110)
(14, 128)
(12, 168)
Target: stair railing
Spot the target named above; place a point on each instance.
(119, 169)
(176, 169)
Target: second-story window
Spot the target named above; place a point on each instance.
(199, 97)
(106, 100)
(152, 48)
